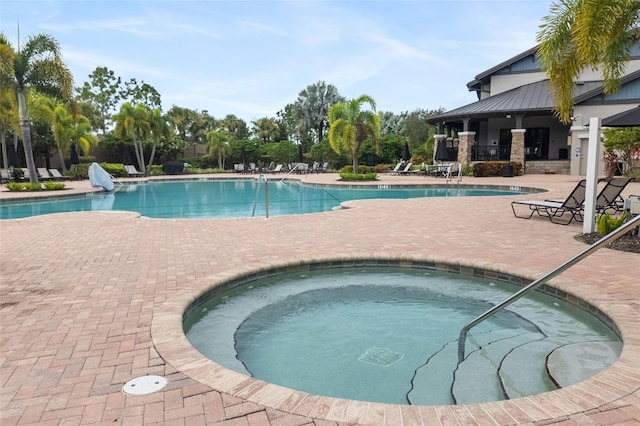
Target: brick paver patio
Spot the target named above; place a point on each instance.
(81, 292)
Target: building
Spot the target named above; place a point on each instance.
(513, 118)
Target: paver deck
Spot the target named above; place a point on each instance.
(84, 298)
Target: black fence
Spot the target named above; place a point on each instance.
(490, 153)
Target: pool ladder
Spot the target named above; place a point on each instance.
(612, 236)
(266, 196)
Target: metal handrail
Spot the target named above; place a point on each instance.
(293, 169)
(612, 236)
(266, 195)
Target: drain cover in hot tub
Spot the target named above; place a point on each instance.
(144, 385)
(380, 356)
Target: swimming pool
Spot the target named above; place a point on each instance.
(388, 334)
(226, 198)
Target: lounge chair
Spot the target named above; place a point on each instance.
(56, 175)
(4, 175)
(396, 169)
(43, 173)
(277, 169)
(406, 169)
(609, 199)
(555, 210)
(132, 171)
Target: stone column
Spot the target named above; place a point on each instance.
(517, 146)
(436, 139)
(465, 144)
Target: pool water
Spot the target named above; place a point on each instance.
(390, 335)
(223, 198)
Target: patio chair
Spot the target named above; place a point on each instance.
(396, 169)
(4, 175)
(555, 210)
(132, 171)
(56, 175)
(406, 170)
(609, 199)
(43, 173)
(276, 169)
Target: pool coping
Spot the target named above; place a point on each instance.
(618, 381)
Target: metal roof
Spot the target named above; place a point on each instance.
(533, 98)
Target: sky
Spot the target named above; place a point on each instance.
(252, 58)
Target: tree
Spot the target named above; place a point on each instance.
(8, 105)
(349, 126)
(586, 33)
(237, 127)
(218, 143)
(133, 122)
(266, 129)
(103, 94)
(159, 129)
(626, 142)
(38, 66)
(312, 106)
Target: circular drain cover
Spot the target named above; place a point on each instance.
(144, 385)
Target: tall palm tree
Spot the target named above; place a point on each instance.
(8, 105)
(266, 129)
(37, 65)
(160, 129)
(133, 122)
(586, 33)
(312, 106)
(349, 126)
(218, 143)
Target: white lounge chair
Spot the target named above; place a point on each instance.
(43, 173)
(132, 171)
(55, 174)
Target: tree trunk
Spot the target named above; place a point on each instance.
(153, 154)
(64, 167)
(26, 136)
(354, 156)
(137, 147)
(5, 153)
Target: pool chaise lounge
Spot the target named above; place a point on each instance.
(609, 198)
(555, 210)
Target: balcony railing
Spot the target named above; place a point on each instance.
(490, 153)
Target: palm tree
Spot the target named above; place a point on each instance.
(349, 126)
(218, 143)
(586, 33)
(266, 129)
(37, 65)
(159, 127)
(312, 106)
(8, 106)
(134, 123)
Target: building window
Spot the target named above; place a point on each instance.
(536, 143)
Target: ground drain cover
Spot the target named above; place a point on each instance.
(144, 385)
(380, 356)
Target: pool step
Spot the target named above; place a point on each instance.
(439, 370)
(533, 356)
(570, 364)
(476, 379)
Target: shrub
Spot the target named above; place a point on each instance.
(32, 186)
(18, 173)
(607, 223)
(15, 186)
(114, 169)
(494, 168)
(467, 170)
(358, 176)
(361, 169)
(155, 170)
(53, 186)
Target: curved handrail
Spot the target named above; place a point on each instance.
(612, 236)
